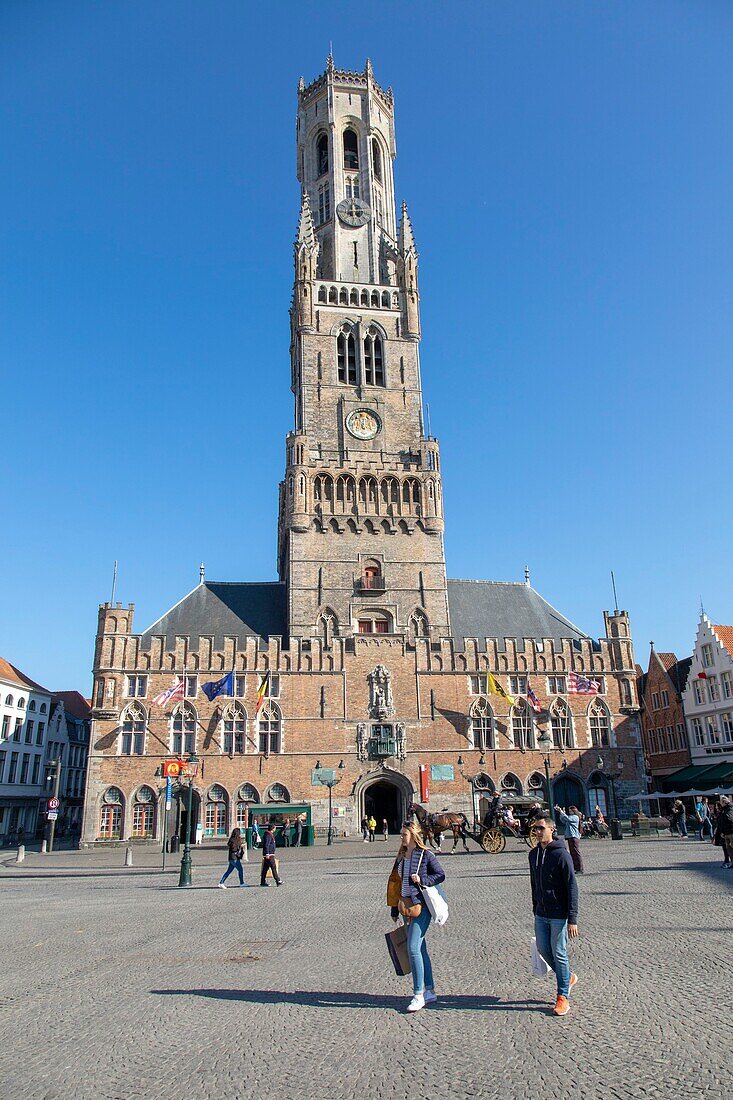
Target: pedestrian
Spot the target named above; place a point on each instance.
(555, 906)
(298, 831)
(236, 851)
(286, 833)
(385, 828)
(599, 822)
(372, 823)
(724, 830)
(571, 821)
(269, 862)
(416, 866)
(365, 829)
(679, 824)
(704, 821)
(255, 833)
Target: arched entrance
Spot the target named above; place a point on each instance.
(567, 790)
(385, 794)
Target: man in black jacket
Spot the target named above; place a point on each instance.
(268, 857)
(555, 906)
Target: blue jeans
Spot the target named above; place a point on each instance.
(706, 828)
(552, 944)
(417, 949)
(232, 864)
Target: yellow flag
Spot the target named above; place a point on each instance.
(496, 689)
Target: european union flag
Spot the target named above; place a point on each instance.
(225, 686)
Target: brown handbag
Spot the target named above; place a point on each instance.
(394, 887)
(409, 911)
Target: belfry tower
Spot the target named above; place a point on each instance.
(360, 539)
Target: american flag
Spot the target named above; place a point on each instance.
(581, 685)
(533, 700)
(175, 691)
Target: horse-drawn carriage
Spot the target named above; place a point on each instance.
(490, 833)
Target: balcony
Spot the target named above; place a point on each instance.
(371, 582)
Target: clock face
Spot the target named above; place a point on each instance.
(353, 212)
(363, 423)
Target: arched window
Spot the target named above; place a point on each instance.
(21, 703)
(376, 160)
(332, 295)
(322, 294)
(346, 356)
(385, 299)
(375, 299)
(373, 359)
(521, 725)
(511, 785)
(43, 708)
(270, 729)
(132, 738)
(246, 794)
(8, 700)
(143, 813)
(110, 818)
(365, 297)
(536, 785)
(562, 729)
(327, 625)
(351, 150)
(32, 705)
(183, 731)
(352, 187)
(343, 296)
(482, 724)
(322, 154)
(234, 729)
(215, 820)
(354, 297)
(599, 724)
(278, 793)
(597, 793)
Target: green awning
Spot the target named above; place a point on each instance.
(688, 778)
(717, 774)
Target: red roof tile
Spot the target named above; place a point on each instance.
(74, 703)
(10, 672)
(725, 633)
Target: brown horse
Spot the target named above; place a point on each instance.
(434, 825)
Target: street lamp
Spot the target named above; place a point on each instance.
(331, 783)
(53, 771)
(544, 744)
(192, 765)
(612, 777)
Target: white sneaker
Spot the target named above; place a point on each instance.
(222, 886)
(430, 995)
(417, 1002)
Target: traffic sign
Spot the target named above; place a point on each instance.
(53, 803)
(52, 815)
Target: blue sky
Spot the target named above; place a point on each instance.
(568, 169)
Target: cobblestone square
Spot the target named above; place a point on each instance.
(116, 984)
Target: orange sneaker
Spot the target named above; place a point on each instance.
(573, 981)
(562, 1007)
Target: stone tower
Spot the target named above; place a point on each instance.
(360, 536)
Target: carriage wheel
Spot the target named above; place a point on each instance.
(493, 841)
(532, 840)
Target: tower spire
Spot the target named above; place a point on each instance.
(405, 236)
(306, 234)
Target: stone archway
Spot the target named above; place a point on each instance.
(384, 793)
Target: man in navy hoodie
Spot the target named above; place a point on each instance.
(555, 906)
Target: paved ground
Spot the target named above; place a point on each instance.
(116, 984)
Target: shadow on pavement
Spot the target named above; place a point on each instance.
(320, 999)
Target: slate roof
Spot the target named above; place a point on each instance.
(74, 703)
(679, 672)
(478, 609)
(503, 609)
(224, 609)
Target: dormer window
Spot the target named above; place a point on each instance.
(351, 150)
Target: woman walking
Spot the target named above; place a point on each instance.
(236, 851)
(417, 866)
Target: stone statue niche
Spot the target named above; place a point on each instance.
(380, 693)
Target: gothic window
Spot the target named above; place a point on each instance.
(352, 187)
(373, 358)
(143, 813)
(417, 626)
(599, 724)
(521, 725)
(327, 626)
(110, 819)
(248, 793)
(183, 730)
(270, 729)
(354, 297)
(482, 724)
(385, 299)
(375, 299)
(562, 729)
(344, 296)
(215, 821)
(8, 700)
(322, 294)
(365, 297)
(234, 729)
(379, 209)
(511, 785)
(346, 356)
(132, 740)
(332, 296)
(351, 150)
(324, 203)
(322, 154)
(278, 793)
(376, 160)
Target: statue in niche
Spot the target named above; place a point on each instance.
(380, 693)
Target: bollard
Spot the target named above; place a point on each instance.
(21, 853)
(44, 847)
(128, 857)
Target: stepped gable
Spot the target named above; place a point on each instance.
(504, 609)
(223, 609)
(74, 703)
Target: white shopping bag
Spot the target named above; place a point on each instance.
(436, 903)
(540, 967)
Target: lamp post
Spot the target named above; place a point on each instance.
(191, 769)
(612, 777)
(53, 771)
(331, 783)
(544, 744)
